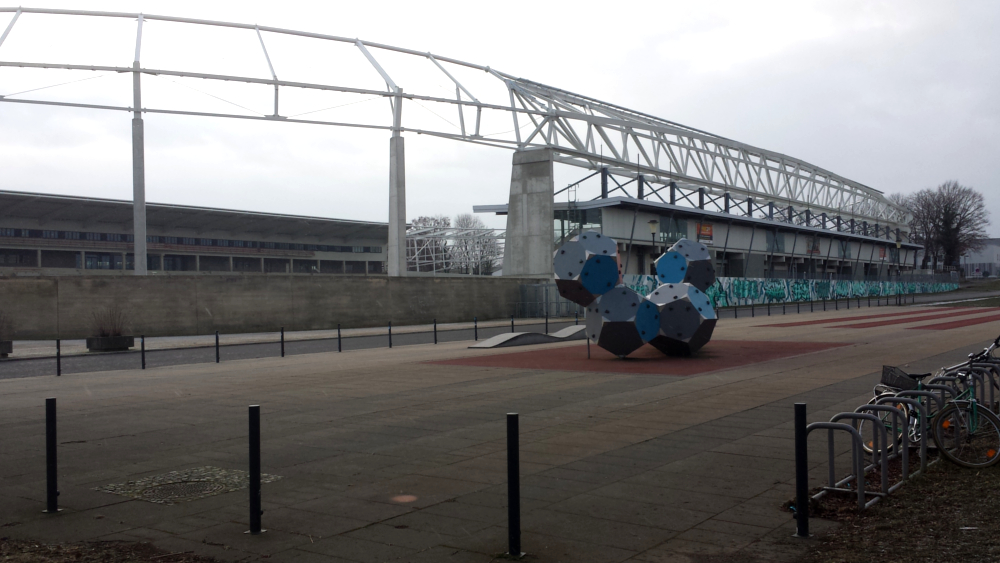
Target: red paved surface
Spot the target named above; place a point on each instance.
(716, 355)
(961, 313)
(845, 319)
(958, 324)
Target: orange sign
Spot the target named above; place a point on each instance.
(705, 233)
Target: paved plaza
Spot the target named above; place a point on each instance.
(400, 454)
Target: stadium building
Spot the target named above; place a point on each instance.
(59, 235)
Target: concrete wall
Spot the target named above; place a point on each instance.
(51, 307)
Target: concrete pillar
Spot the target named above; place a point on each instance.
(138, 178)
(197, 263)
(530, 238)
(230, 263)
(397, 208)
(39, 258)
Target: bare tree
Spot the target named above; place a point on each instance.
(428, 254)
(947, 221)
(963, 219)
(475, 251)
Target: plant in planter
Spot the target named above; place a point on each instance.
(109, 326)
(6, 336)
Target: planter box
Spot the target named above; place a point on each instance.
(110, 343)
(6, 347)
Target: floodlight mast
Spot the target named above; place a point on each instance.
(570, 125)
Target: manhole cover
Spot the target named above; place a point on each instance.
(188, 490)
(189, 484)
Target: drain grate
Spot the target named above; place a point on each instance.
(186, 485)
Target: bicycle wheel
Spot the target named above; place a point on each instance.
(967, 434)
(864, 428)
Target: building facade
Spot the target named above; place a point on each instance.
(984, 262)
(57, 235)
(750, 247)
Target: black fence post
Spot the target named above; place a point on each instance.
(769, 308)
(798, 307)
(390, 334)
(282, 342)
(255, 504)
(340, 347)
(869, 300)
(546, 322)
(216, 346)
(588, 347)
(513, 488)
(836, 304)
(435, 331)
(824, 304)
(848, 302)
(577, 318)
(811, 310)
(736, 312)
(58, 357)
(475, 328)
(142, 348)
(512, 323)
(801, 473)
(51, 466)
(752, 311)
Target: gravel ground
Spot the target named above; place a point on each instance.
(16, 551)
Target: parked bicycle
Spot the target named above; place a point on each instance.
(966, 429)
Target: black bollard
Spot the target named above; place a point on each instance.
(769, 308)
(577, 318)
(801, 473)
(142, 347)
(588, 347)
(836, 304)
(824, 304)
(255, 504)
(340, 348)
(869, 300)
(513, 489)
(51, 467)
(811, 310)
(736, 312)
(848, 302)
(282, 342)
(752, 312)
(390, 334)
(475, 328)
(546, 322)
(798, 308)
(58, 358)
(216, 346)
(512, 323)
(782, 308)
(435, 331)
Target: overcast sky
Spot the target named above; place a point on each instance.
(899, 96)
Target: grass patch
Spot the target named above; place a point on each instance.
(949, 514)
(23, 551)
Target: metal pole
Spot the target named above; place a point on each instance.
(475, 328)
(138, 165)
(513, 488)
(577, 318)
(51, 466)
(216, 346)
(435, 331)
(801, 473)
(390, 334)
(512, 323)
(339, 347)
(58, 358)
(546, 321)
(255, 504)
(282, 342)
(142, 344)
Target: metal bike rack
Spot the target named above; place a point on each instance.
(942, 389)
(913, 403)
(859, 477)
(899, 450)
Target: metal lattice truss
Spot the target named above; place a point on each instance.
(582, 131)
(454, 250)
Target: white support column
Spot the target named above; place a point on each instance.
(530, 237)
(138, 165)
(397, 194)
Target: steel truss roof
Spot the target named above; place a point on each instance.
(582, 131)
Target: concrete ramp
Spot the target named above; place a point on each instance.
(575, 332)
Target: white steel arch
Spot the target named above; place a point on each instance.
(540, 116)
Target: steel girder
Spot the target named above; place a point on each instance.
(582, 131)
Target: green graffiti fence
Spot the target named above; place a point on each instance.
(728, 292)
